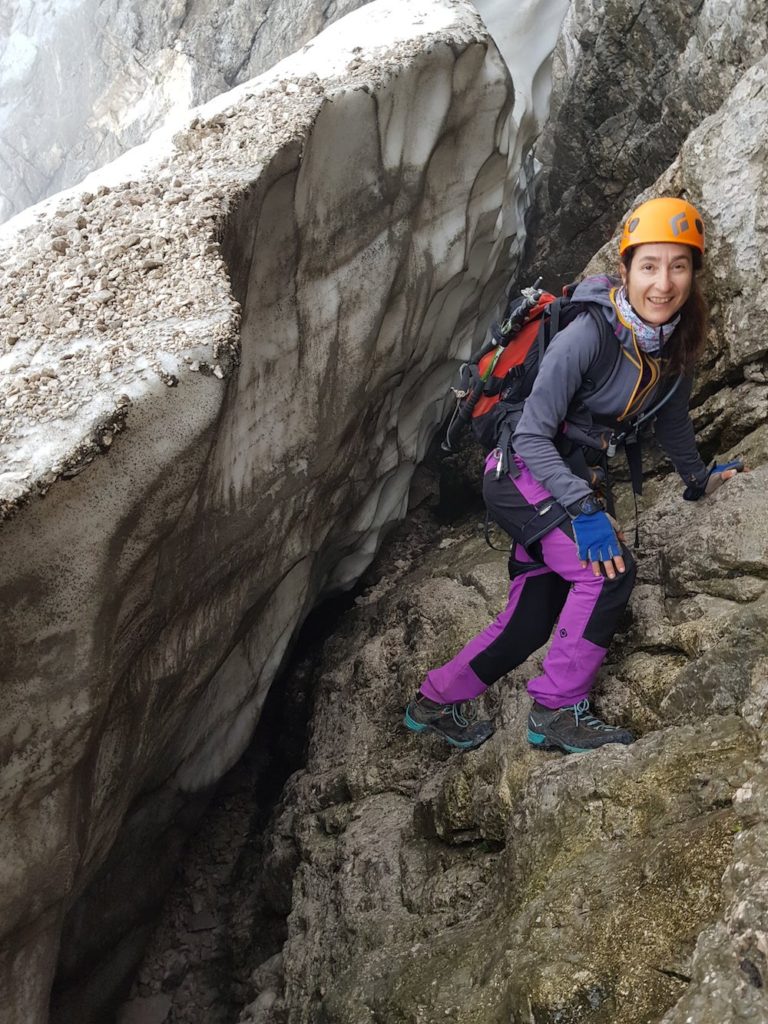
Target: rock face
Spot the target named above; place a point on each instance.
(507, 884)
(626, 886)
(222, 360)
(86, 81)
(630, 82)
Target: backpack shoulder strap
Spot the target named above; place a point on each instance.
(609, 350)
(548, 328)
(560, 314)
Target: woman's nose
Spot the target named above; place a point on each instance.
(663, 279)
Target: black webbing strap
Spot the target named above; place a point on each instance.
(634, 454)
(549, 326)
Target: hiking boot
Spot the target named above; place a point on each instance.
(571, 729)
(449, 721)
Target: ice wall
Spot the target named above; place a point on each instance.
(221, 360)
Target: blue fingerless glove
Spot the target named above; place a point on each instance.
(596, 538)
(695, 491)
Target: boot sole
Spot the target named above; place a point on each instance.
(419, 727)
(542, 742)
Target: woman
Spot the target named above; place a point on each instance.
(579, 573)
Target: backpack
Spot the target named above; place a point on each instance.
(496, 381)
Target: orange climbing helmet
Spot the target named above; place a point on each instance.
(663, 220)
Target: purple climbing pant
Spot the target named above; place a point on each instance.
(584, 609)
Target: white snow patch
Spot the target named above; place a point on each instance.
(18, 59)
(526, 37)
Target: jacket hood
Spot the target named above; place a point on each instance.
(598, 291)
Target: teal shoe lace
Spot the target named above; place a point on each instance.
(464, 713)
(581, 713)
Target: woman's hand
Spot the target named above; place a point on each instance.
(609, 568)
(598, 544)
(719, 474)
(716, 477)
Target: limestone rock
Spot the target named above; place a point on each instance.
(630, 82)
(503, 882)
(719, 547)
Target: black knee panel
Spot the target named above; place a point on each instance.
(528, 629)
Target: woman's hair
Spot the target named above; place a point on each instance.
(688, 340)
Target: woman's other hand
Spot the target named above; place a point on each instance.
(719, 474)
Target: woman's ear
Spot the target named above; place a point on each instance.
(623, 272)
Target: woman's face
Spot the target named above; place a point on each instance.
(659, 280)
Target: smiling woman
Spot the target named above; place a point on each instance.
(661, 250)
(569, 561)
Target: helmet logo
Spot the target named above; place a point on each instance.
(632, 225)
(679, 224)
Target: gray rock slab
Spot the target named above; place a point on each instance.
(466, 887)
(629, 85)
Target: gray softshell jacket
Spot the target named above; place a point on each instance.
(564, 398)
